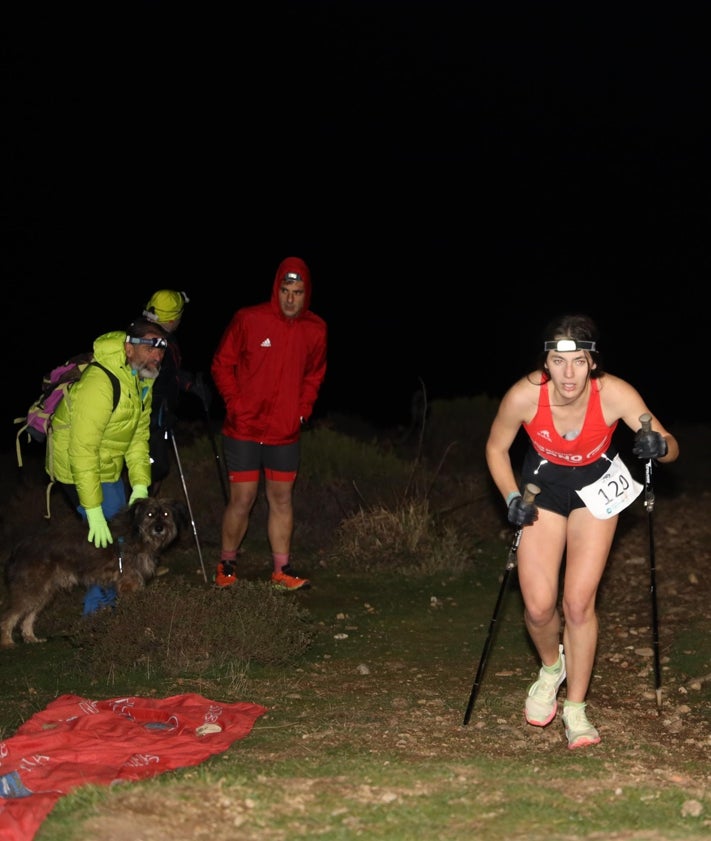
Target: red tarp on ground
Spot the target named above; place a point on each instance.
(76, 741)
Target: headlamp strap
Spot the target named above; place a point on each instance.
(157, 341)
(566, 345)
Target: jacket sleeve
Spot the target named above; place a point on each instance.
(138, 460)
(225, 361)
(314, 374)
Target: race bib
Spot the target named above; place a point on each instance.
(612, 492)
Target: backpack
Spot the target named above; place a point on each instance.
(55, 385)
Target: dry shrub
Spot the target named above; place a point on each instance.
(176, 630)
(404, 538)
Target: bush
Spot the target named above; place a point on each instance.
(406, 538)
(173, 630)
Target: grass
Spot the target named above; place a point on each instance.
(363, 737)
(384, 755)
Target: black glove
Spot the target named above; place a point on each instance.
(649, 445)
(522, 513)
(202, 390)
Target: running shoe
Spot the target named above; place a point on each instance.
(578, 730)
(225, 575)
(288, 580)
(541, 703)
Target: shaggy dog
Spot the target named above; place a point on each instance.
(62, 558)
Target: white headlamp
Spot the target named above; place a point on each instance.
(566, 345)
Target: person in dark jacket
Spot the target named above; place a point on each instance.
(165, 308)
(268, 368)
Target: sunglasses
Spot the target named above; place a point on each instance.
(156, 342)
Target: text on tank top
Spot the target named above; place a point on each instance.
(594, 438)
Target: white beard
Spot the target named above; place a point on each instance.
(147, 373)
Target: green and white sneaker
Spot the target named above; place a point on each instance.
(541, 703)
(578, 730)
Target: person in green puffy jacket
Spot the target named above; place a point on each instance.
(91, 441)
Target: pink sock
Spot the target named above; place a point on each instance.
(228, 555)
(281, 559)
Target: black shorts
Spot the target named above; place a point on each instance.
(559, 482)
(246, 459)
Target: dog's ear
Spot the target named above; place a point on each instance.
(136, 513)
(139, 504)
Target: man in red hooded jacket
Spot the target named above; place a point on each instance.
(268, 369)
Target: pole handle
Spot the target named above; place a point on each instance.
(530, 492)
(646, 421)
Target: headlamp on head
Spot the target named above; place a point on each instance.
(156, 341)
(292, 277)
(567, 345)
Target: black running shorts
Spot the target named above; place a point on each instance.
(559, 483)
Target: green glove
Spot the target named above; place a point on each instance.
(139, 492)
(98, 528)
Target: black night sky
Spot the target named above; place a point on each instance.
(455, 174)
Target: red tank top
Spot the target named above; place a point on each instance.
(594, 439)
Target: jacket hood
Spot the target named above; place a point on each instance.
(292, 264)
(110, 349)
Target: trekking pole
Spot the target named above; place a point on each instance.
(529, 494)
(646, 421)
(169, 431)
(220, 467)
